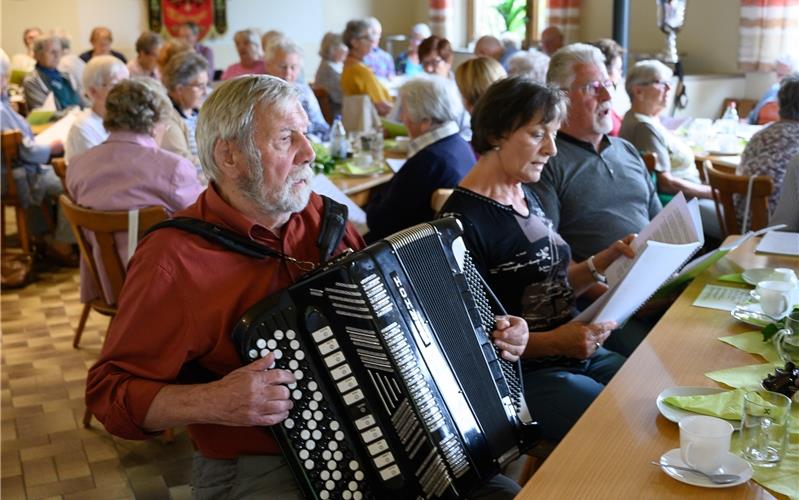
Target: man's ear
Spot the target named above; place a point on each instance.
(226, 157)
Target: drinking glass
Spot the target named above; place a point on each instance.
(787, 339)
(764, 430)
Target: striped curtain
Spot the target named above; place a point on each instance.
(565, 14)
(440, 17)
(768, 28)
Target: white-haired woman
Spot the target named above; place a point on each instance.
(648, 85)
(46, 79)
(129, 170)
(100, 74)
(333, 51)
(438, 157)
(283, 59)
(186, 80)
(408, 62)
(251, 57)
(531, 64)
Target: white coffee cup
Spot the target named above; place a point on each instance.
(776, 297)
(704, 442)
(362, 160)
(784, 274)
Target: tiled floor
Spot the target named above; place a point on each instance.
(46, 452)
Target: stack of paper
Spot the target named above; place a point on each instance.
(783, 243)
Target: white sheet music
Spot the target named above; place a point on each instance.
(59, 130)
(782, 243)
(678, 223)
(323, 185)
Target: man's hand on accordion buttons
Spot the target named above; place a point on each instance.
(510, 336)
(255, 394)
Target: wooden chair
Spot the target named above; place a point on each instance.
(744, 106)
(439, 198)
(104, 225)
(724, 185)
(60, 169)
(11, 140)
(324, 103)
(651, 161)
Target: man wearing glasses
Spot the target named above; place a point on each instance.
(597, 189)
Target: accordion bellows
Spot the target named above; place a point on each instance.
(400, 392)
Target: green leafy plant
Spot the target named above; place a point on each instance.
(514, 13)
(324, 163)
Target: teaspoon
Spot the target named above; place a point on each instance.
(714, 478)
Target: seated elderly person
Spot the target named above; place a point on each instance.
(283, 59)
(767, 108)
(613, 53)
(769, 150)
(552, 40)
(35, 181)
(328, 74)
(129, 170)
(170, 49)
(146, 61)
(71, 64)
(379, 61)
(408, 62)
(101, 39)
(356, 77)
(474, 76)
(524, 261)
(438, 157)
(251, 61)
(787, 210)
(190, 33)
(159, 370)
(530, 64)
(186, 80)
(100, 75)
(648, 87)
(45, 79)
(24, 61)
(436, 56)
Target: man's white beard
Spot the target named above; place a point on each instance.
(287, 199)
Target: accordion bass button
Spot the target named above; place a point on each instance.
(271, 344)
(261, 343)
(347, 495)
(324, 494)
(357, 495)
(253, 353)
(291, 334)
(309, 464)
(278, 334)
(336, 475)
(304, 454)
(354, 465)
(288, 423)
(358, 475)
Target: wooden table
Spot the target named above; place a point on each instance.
(359, 188)
(607, 453)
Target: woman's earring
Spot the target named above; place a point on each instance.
(496, 148)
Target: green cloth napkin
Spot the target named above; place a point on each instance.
(749, 376)
(389, 144)
(727, 405)
(393, 128)
(752, 342)
(40, 117)
(732, 278)
(348, 168)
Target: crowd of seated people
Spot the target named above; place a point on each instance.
(548, 196)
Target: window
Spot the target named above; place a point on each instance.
(490, 17)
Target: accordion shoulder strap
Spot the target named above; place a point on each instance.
(334, 220)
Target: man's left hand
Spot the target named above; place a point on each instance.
(510, 336)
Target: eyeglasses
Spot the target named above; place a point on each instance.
(197, 85)
(592, 88)
(432, 63)
(658, 83)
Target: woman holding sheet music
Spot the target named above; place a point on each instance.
(525, 262)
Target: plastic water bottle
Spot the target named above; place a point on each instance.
(339, 147)
(731, 113)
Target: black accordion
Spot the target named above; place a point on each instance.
(400, 392)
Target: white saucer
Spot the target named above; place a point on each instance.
(756, 275)
(676, 414)
(732, 464)
(751, 314)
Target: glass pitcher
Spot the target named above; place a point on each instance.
(786, 340)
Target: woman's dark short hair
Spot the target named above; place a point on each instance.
(510, 104)
(788, 97)
(440, 46)
(356, 28)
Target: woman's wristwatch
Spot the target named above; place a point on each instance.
(598, 277)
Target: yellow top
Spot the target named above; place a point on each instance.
(358, 79)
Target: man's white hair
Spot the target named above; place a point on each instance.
(430, 97)
(282, 42)
(422, 30)
(100, 69)
(229, 115)
(530, 64)
(561, 65)
(42, 41)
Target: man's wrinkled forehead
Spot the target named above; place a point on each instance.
(284, 115)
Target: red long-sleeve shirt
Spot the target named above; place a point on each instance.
(182, 297)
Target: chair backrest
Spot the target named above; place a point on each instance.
(743, 106)
(651, 161)
(358, 114)
(723, 185)
(11, 139)
(438, 199)
(324, 103)
(60, 169)
(104, 225)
